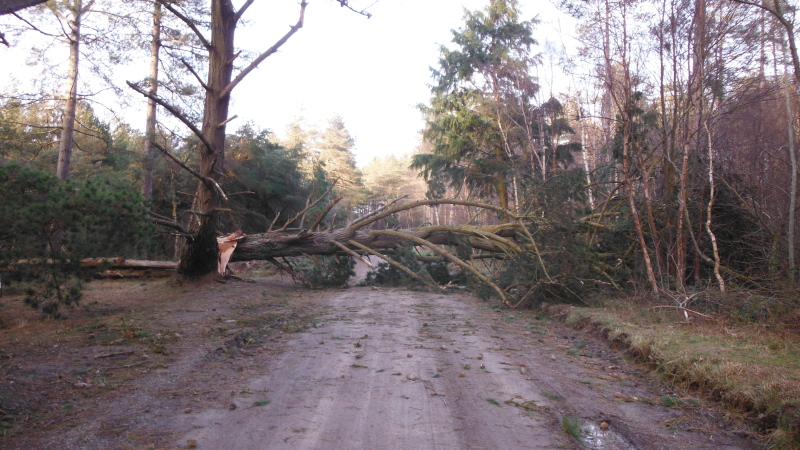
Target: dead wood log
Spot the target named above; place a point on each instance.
(108, 263)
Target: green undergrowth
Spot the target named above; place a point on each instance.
(752, 369)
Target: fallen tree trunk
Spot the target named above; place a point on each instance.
(107, 263)
(264, 246)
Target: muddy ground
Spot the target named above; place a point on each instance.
(265, 364)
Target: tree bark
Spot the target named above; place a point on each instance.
(200, 253)
(149, 152)
(276, 244)
(70, 107)
(10, 6)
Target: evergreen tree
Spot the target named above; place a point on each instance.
(481, 88)
(336, 154)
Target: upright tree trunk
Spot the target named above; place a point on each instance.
(694, 117)
(71, 105)
(149, 151)
(711, 235)
(793, 188)
(585, 154)
(651, 277)
(624, 102)
(199, 255)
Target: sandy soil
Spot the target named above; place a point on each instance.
(267, 365)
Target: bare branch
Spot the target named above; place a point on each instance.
(242, 10)
(226, 201)
(393, 262)
(35, 28)
(197, 77)
(293, 273)
(175, 112)
(204, 180)
(353, 254)
(267, 53)
(226, 121)
(208, 181)
(189, 22)
(325, 213)
(273, 221)
(377, 211)
(449, 256)
(390, 211)
(363, 12)
(167, 222)
(303, 212)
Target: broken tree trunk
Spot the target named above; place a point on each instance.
(276, 244)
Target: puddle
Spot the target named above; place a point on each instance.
(594, 437)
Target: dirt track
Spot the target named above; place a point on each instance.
(383, 368)
(397, 369)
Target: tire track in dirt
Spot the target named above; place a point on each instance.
(396, 369)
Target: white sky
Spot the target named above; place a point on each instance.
(372, 72)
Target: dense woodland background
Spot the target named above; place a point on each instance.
(669, 167)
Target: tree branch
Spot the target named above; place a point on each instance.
(197, 77)
(363, 12)
(390, 211)
(35, 28)
(377, 211)
(175, 112)
(267, 53)
(301, 213)
(204, 180)
(393, 262)
(241, 11)
(167, 222)
(449, 256)
(325, 213)
(353, 254)
(189, 22)
(8, 7)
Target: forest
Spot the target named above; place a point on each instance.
(671, 168)
(665, 173)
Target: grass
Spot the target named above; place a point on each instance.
(572, 426)
(753, 369)
(551, 396)
(261, 403)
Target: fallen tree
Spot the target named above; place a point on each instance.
(357, 238)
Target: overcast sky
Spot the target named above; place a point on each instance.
(371, 72)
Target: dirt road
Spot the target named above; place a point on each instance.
(370, 369)
(395, 369)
